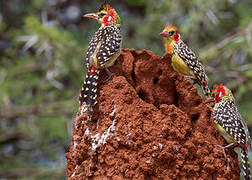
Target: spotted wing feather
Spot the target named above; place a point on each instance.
(111, 44)
(228, 117)
(92, 46)
(189, 57)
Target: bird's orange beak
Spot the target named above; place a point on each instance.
(91, 16)
(164, 34)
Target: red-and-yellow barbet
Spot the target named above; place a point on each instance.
(103, 50)
(184, 59)
(231, 125)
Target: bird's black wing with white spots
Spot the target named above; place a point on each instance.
(93, 45)
(228, 117)
(111, 44)
(189, 57)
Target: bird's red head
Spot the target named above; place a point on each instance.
(106, 16)
(170, 34)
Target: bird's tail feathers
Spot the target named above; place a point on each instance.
(245, 163)
(88, 95)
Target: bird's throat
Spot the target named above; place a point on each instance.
(169, 45)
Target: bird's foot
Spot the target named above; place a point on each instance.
(110, 74)
(224, 153)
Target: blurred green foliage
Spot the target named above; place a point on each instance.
(42, 52)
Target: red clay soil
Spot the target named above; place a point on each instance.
(149, 123)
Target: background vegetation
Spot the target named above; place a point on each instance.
(42, 50)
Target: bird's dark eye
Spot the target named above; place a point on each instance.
(101, 15)
(101, 9)
(171, 33)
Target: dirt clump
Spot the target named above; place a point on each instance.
(149, 123)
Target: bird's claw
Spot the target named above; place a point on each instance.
(224, 153)
(109, 77)
(110, 74)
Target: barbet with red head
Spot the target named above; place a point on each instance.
(103, 50)
(183, 58)
(231, 125)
